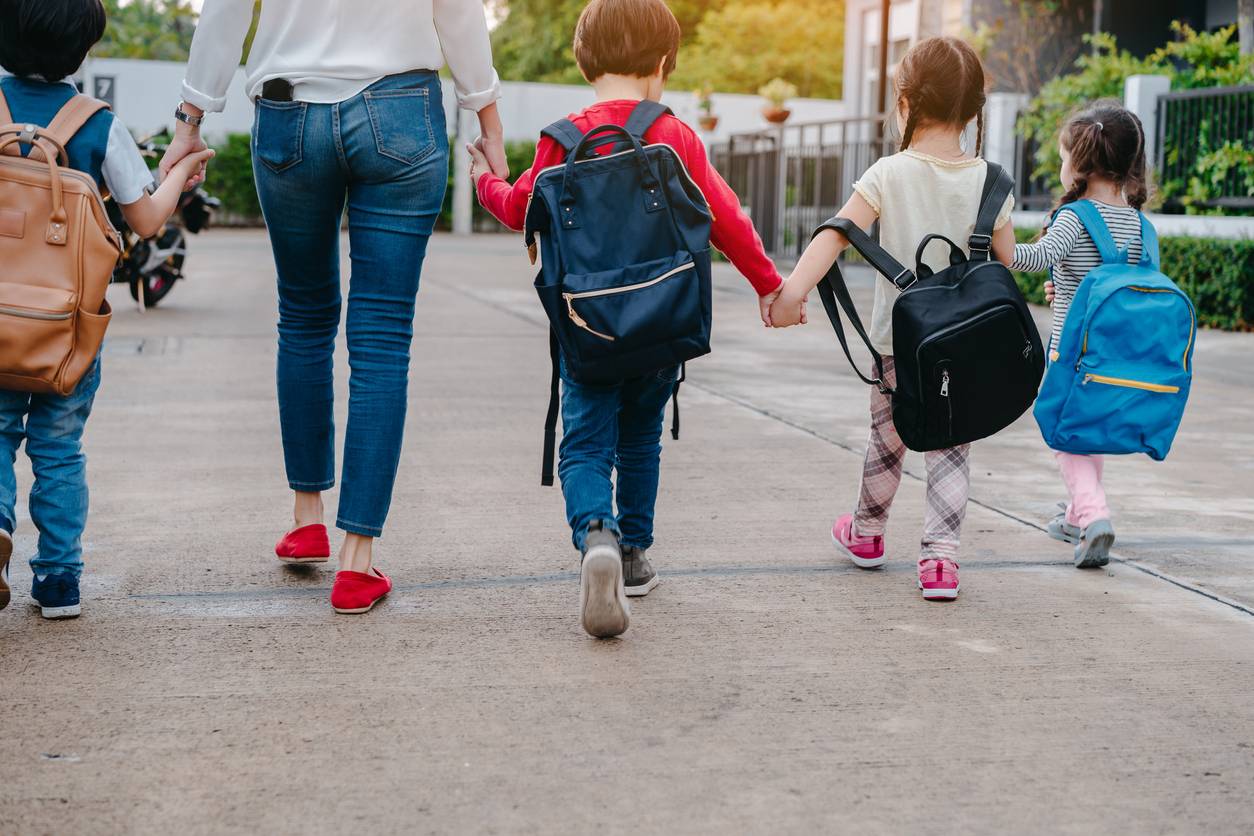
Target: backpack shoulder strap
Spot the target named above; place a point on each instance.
(564, 133)
(1096, 227)
(72, 116)
(643, 115)
(6, 118)
(998, 184)
(1149, 243)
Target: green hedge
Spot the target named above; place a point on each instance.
(1217, 273)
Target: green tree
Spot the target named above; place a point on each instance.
(741, 46)
(159, 30)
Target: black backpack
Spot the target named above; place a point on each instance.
(968, 355)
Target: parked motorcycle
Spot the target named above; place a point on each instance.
(151, 266)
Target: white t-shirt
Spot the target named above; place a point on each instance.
(331, 50)
(125, 173)
(915, 194)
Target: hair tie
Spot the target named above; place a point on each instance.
(1099, 126)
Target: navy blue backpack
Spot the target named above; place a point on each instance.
(624, 239)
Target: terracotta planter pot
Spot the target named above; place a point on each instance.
(708, 123)
(776, 115)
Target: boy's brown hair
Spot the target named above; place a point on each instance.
(626, 37)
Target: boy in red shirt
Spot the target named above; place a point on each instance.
(626, 50)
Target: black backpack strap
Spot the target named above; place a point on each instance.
(683, 375)
(550, 420)
(642, 117)
(564, 133)
(834, 292)
(998, 184)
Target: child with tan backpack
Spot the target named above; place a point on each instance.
(58, 151)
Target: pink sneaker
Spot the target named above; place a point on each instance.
(938, 578)
(865, 552)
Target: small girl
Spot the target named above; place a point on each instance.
(933, 185)
(1103, 161)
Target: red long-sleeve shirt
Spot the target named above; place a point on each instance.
(732, 232)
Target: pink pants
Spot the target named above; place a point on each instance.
(1083, 478)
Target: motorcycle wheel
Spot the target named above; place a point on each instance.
(158, 283)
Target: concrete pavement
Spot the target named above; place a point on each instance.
(765, 686)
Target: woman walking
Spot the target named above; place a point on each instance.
(348, 113)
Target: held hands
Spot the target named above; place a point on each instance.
(1049, 293)
(788, 309)
(479, 164)
(186, 141)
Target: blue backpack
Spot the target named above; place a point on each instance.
(624, 239)
(1119, 377)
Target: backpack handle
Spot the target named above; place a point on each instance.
(57, 232)
(33, 135)
(653, 195)
(956, 255)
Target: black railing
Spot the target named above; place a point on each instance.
(1193, 124)
(794, 177)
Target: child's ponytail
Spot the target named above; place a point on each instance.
(1107, 140)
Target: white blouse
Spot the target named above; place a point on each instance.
(331, 50)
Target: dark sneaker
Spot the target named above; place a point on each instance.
(1094, 549)
(56, 596)
(638, 575)
(603, 609)
(6, 551)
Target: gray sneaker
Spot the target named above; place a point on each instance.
(603, 608)
(6, 551)
(1060, 529)
(1094, 549)
(638, 575)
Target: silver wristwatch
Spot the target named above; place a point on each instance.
(184, 116)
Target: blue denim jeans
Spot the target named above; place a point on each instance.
(610, 428)
(52, 427)
(384, 152)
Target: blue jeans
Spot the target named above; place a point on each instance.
(615, 427)
(385, 153)
(52, 427)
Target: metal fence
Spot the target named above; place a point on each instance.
(1194, 123)
(794, 177)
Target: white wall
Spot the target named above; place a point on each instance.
(146, 92)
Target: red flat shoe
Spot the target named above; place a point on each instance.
(357, 592)
(307, 544)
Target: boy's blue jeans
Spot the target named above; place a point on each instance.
(52, 427)
(384, 152)
(615, 427)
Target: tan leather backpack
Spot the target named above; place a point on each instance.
(57, 254)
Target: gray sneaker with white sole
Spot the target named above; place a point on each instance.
(1094, 549)
(603, 609)
(639, 578)
(1060, 529)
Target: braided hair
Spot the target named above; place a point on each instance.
(942, 80)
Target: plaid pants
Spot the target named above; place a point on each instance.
(948, 481)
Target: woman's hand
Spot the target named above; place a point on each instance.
(479, 165)
(1049, 293)
(186, 141)
(491, 141)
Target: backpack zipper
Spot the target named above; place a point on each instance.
(613, 291)
(1188, 346)
(1130, 384)
(25, 313)
(949, 404)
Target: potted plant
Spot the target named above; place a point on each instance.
(777, 92)
(705, 103)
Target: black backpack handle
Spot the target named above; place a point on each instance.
(956, 255)
(654, 199)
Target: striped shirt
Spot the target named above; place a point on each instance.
(1067, 248)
